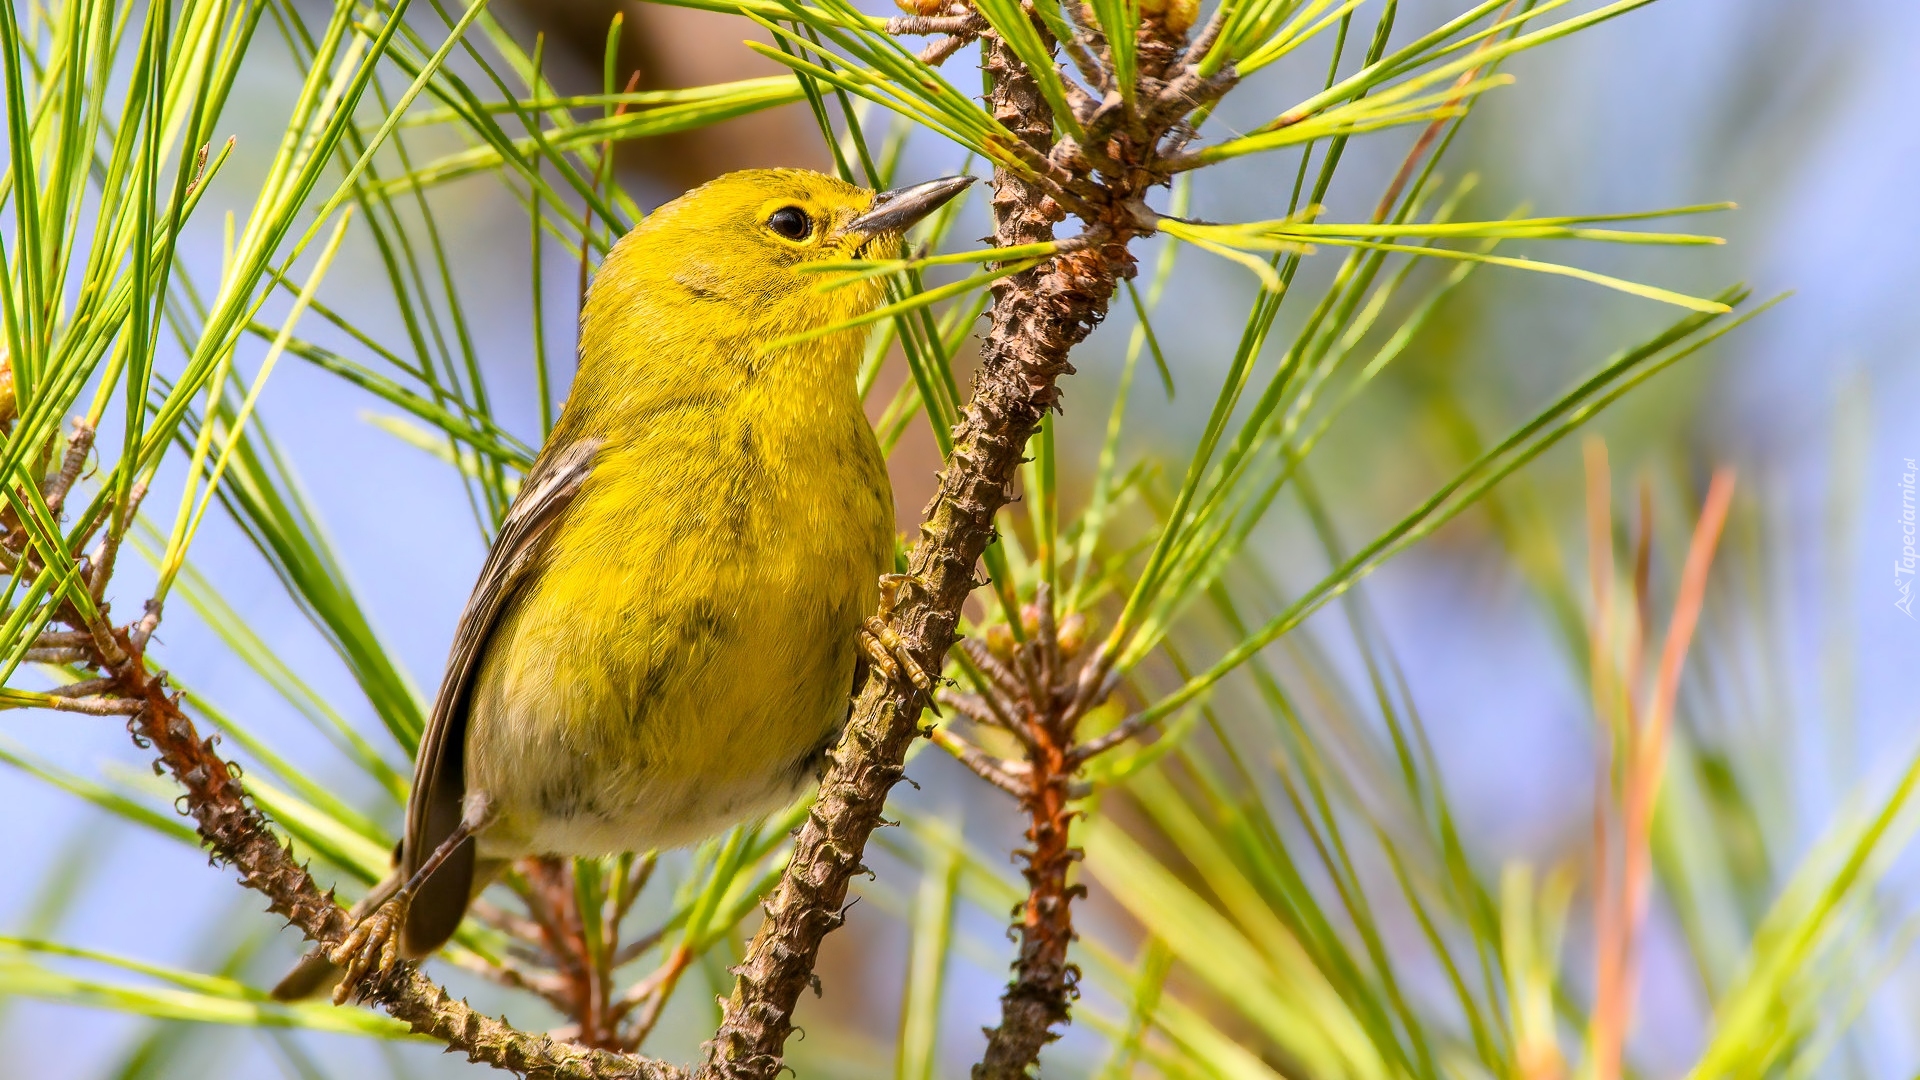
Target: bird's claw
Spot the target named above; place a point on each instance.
(888, 651)
(891, 586)
(373, 945)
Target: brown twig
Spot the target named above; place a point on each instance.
(1012, 777)
(507, 922)
(108, 550)
(85, 688)
(1130, 728)
(549, 988)
(1037, 1000)
(95, 706)
(1202, 43)
(79, 445)
(59, 655)
(1188, 91)
(237, 834)
(651, 995)
(555, 953)
(579, 959)
(232, 829)
(1005, 682)
(938, 53)
(638, 947)
(924, 25)
(1038, 316)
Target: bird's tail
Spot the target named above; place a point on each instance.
(315, 974)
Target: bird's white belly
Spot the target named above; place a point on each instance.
(658, 813)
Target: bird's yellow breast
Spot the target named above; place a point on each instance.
(689, 646)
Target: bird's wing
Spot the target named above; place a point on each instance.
(434, 807)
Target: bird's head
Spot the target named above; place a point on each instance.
(730, 256)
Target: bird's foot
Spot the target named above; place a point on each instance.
(888, 652)
(373, 946)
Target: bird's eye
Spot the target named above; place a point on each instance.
(791, 222)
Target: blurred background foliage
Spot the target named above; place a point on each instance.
(1372, 850)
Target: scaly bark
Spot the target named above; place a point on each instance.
(1037, 999)
(1038, 696)
(1038, 316)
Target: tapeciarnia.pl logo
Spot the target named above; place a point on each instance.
(1903, 566)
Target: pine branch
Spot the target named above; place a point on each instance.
(1038, 316)
(238, 835)
(1044, 983)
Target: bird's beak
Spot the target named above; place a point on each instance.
(895, 211)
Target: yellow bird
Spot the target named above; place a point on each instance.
(666, 632)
